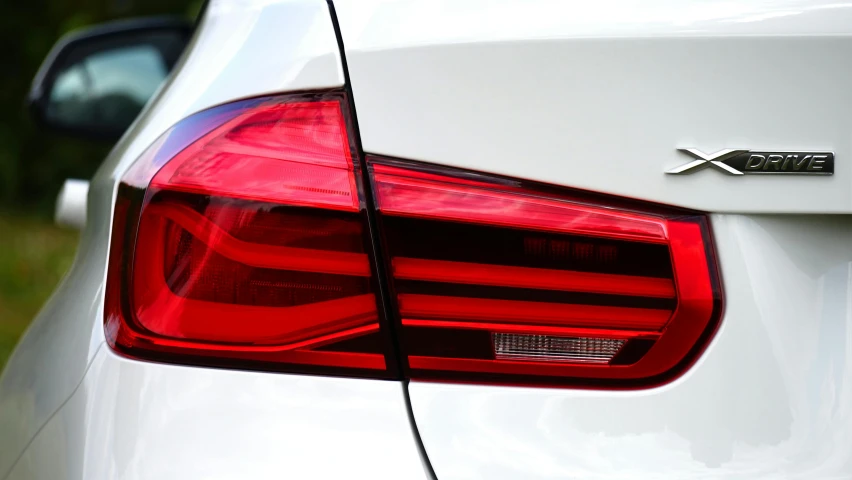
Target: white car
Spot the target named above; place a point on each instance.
(468, 239)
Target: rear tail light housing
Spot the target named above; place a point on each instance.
(251, 235)
(240, 239)
(498, 280)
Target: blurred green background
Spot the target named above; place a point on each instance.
(34, 254)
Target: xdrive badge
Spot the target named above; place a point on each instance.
(742, 162)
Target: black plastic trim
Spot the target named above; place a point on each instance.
(384, 294)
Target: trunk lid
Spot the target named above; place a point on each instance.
(601, 95)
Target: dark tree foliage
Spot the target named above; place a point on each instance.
(34, 163)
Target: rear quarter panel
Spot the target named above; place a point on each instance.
(239, 50)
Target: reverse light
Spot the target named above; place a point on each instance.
(547, 348)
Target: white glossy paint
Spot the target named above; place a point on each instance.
(71, 204)
(770, 398)
(599, 95)
(131, 420)
(594, 95)
(241, 49)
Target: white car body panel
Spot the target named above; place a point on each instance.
(770, 398)
(53, 355)
(592, 95)
(135, 420)
(599, 95)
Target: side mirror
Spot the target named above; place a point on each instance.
(95, 81)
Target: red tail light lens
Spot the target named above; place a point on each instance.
(240, 239)
(495, 281)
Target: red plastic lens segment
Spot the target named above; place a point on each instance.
(405, 194)
(500, 282)
(295, 153)
(239, 240)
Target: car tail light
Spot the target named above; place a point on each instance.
(243, 238)
(495, 280)
(240, 238)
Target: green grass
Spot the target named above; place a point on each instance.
(34, 255)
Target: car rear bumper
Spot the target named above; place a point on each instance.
(130, 419)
